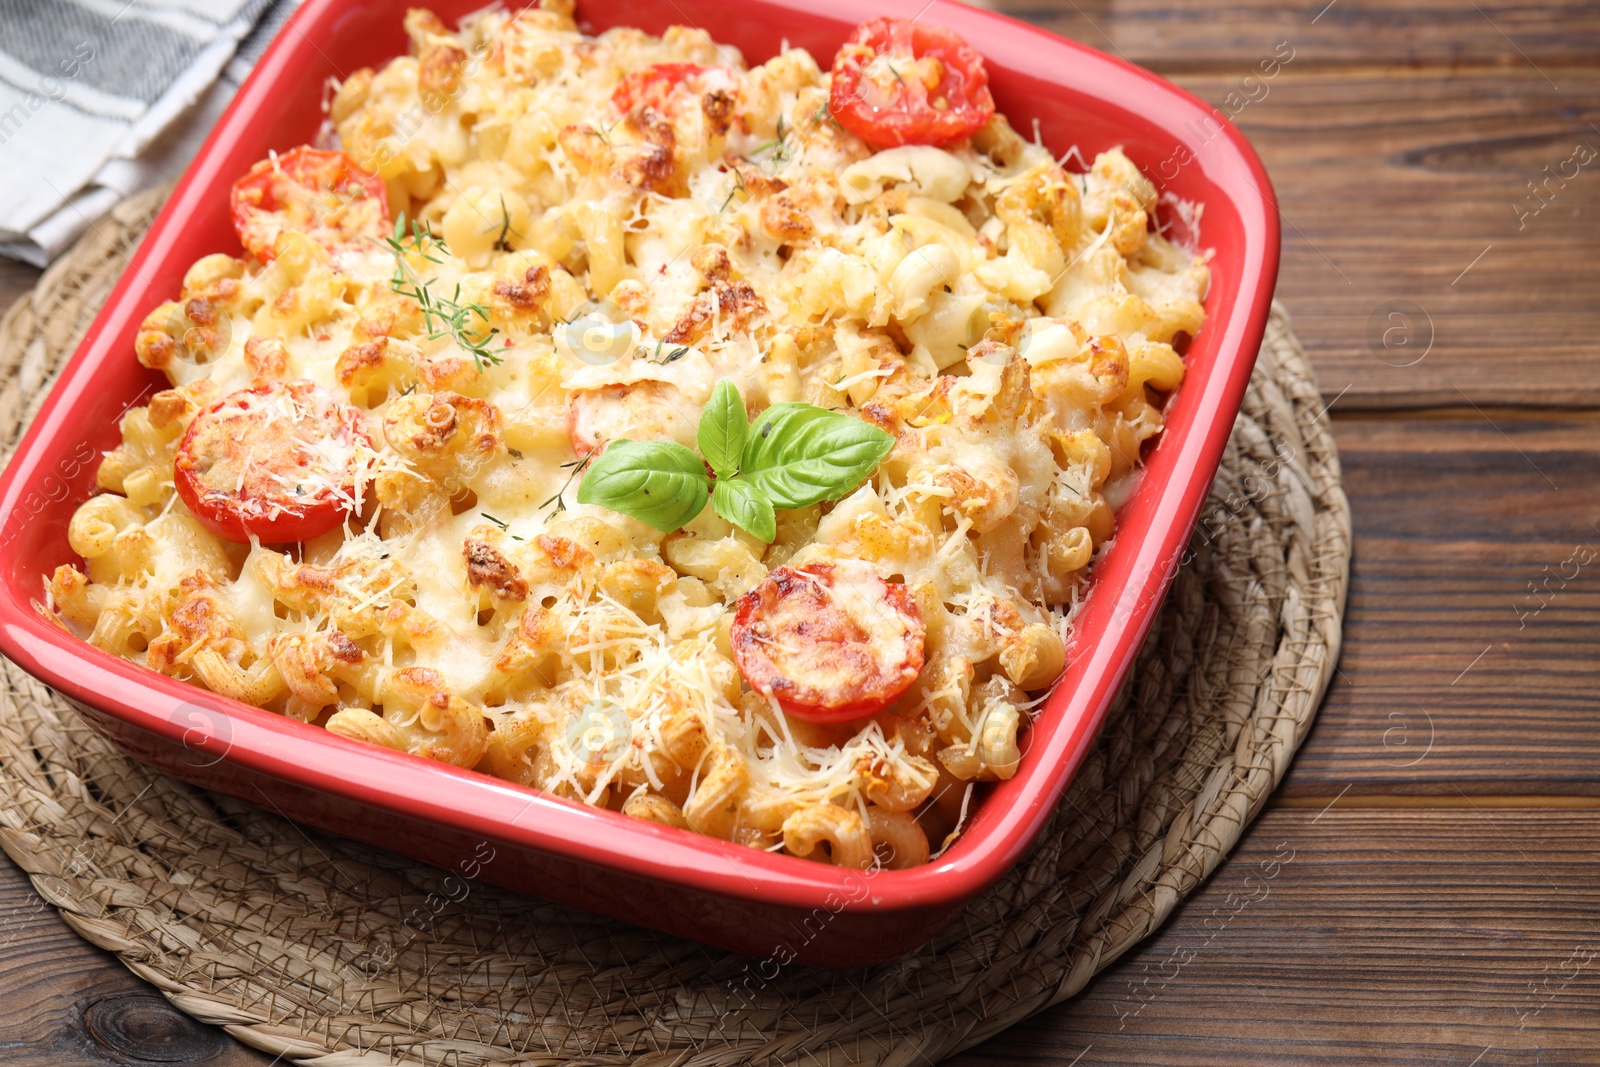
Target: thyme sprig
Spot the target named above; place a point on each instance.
(738, 187)
(505, 226)
(778, 147)
(603, 133)
(442, 316)
(672, 356)
(505, 527)
(573, 468)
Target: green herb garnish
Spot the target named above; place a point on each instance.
(441, 316)
(671, 357)
(504, 526)
(738, 187)
(793, 456)
(575, 467)
(778, 146)
(505, 226)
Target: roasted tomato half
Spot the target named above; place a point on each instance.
(666, 86)
(277, 461)
(323, 195)
(831, 641)
(898, 82)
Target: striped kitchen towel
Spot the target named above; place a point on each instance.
(102, 98)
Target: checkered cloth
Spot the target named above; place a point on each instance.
(102, 98)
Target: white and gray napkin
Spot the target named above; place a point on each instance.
(102, 98)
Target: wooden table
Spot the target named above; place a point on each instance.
(1440, 903)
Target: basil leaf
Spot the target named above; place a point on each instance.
(800, 454)
(661, 483)
(746, 507)
(723, 429)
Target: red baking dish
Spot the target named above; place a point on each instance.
(725, 894)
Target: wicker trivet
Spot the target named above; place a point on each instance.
(321, 950)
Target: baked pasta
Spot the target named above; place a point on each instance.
(420, 475)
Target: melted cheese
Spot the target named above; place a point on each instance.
(769, 250)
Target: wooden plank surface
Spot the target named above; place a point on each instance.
(15, 280)
(65, 1003)
(1416, 265)
(1468, 664)
(1172, 36)
(1444, 816)
(1418, 937)
(1439, 938)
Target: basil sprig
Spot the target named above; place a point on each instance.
(793, 456)
(658, 482)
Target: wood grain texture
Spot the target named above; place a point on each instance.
(1401, 140)
(1176, 36)
(1444, 938)
(15, 281)
(1413, 279)
(65, 1003)
(1468, 663)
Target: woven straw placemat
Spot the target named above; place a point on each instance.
(324, 951)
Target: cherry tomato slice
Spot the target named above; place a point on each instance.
(323, 195)
(658, 86)
(898, 82)
(277, 461)
(831, 640)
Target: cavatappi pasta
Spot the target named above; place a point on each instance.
(630, 243)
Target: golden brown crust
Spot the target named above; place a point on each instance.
(168, 407)
(718, 106)
(524, 295)
(439, 69)
(784, 218)
(655, 165)
(360, 361)
(267, 356)
(486, 567)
